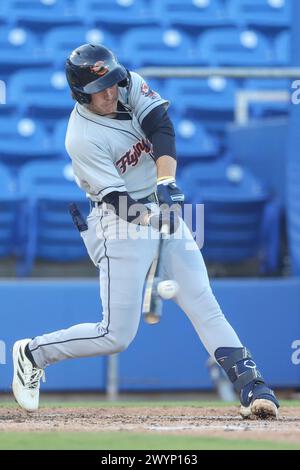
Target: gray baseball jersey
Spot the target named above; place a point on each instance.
(114, 155)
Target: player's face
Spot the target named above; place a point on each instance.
(106, 101)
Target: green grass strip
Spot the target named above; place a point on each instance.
(128, 441)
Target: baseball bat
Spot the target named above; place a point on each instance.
(152, 305)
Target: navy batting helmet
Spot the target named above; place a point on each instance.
(91, 69)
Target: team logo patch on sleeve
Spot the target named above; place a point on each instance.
(146, 91)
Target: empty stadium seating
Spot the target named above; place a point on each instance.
(192, 13)
(259, 145)
(283, 48)
(213, 94)
(59, 136)
(10, 210)
(19, 49)
(60, 42)
(22, 140)
(192, 140)
(209, 100)
(166, 47)
(260, 12)
(234, 47)
(117, 14)
(3, 16)
(39, 15)
(232, 228)
(267, 108)
(220, 175)
(36, 36)
(43, 94)
(241, 221)
(48, 231)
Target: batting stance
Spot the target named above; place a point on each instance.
(122, 145)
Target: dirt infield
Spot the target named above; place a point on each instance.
(206, 421)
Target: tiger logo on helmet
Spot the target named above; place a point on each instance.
(99, 68)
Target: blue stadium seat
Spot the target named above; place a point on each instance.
(192, 140)
(240, 221)
(261, 147)
(234, 47)
(60, 42)
(19, 49)
(239, 225)
(59, 136)
(261, 12)
(3, 13)
(198, 13)
(10, 206)
(283, 48)
(118, 13)
(155, 46)
(268, 108)
(8, 185)
(53, 180)
(232, 228)
(39, 15)
(7, 109)
(22, 140)
(42, 94)
(269, 84)
(197, 175)
(214, 94)
(49, 232)
(221, 176)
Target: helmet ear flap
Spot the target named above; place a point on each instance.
(123, 83)
(82, 98)
(126, 82)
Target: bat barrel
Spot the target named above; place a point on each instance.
(153, 311)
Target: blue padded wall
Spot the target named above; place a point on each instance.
(168, 356)
(293, 170)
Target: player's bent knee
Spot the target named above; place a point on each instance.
(120, 336)
(119, 343)
(120, 346)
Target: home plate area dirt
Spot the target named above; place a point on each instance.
(216, 422)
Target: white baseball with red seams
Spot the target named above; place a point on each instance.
(167, 289)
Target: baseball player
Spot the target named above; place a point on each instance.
(122, 146)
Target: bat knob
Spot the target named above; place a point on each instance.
(151, 318)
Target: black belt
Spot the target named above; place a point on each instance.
(152, 198)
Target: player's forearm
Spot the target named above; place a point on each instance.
(136, 213)
(166, 167)
(167, 190)
(159, 129)
(127, 208)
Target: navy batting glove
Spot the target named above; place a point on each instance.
(168, 192)
(165, 217)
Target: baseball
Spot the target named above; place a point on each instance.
(167, 289)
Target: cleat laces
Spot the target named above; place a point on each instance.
(32, 377)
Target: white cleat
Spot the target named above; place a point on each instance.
(259, 409)
(26, 381)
